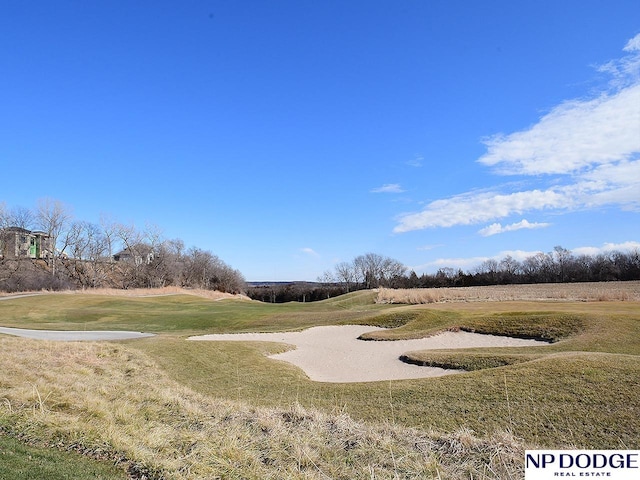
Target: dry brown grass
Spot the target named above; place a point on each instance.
(144, 292)
(585, 292)
(149, 292)
(111, 401)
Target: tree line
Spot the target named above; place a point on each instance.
(367, 271)
(282, 292)
(113, 254)
(106, 254)
(373, 270)
(558, 266)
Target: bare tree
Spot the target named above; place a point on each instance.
(152, 235)
(53, 218)
(391, 270)
(171, 253)
(4, 224)
(346, 274)
(326, 277)
(509, 268)
(155, 258)
(130, 238)
(22, 217)
(128, 265)
(563, 258)
(373, 270)
(5, 220)
(110, 233)
(87, 248)
(207, 271)
(199, 267)
(377, 270)
(8, 266)
(489, 270)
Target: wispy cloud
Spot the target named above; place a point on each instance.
(606, 185)
(573, 136)
(310, 251)
(607, 248)
(584, 153)
(455, 263)
(497, 228)
(428, 247)
(473, 208)
(416, 161)
(388, 188)
(471, 262)
(633, 45)
(626, 70)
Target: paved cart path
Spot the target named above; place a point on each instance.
(71, 336)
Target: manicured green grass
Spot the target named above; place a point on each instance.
(183, 314)
(22, 462)
(583, 399)
(549, 326)
(113, 400)
(468, 361)
(580, 390)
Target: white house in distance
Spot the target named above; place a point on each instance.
(137, 254)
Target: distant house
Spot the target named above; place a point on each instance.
(17, 242)
(137, 254)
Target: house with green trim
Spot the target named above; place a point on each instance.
(17, 242)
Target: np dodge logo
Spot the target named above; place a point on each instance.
(613, 464)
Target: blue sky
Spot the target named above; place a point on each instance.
(287, 136)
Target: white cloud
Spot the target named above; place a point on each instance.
(496, 228)
(467, 264)
(626, 70)
(416, 161)
(473, 208)
(573, 136)
(617, 184)
(518, 255)
(588, 150)
(493, 229)
(613, 184)
(428, 247)
(455, 263)
(606, 248)
(309, 251)
(633, 45)
(580, 133)
(388, 188)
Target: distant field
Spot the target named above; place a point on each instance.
(157, 403)
(588, 292)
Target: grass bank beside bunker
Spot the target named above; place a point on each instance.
(559, 394)
(581, 390)
(338, 354)
(112, 399)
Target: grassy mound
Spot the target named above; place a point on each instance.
(113, 400)
(178, 410)
(465, 361)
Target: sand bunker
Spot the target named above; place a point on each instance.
(334, 353)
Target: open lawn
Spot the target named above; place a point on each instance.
(180, 314)
(22, 462)
(129, 398)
